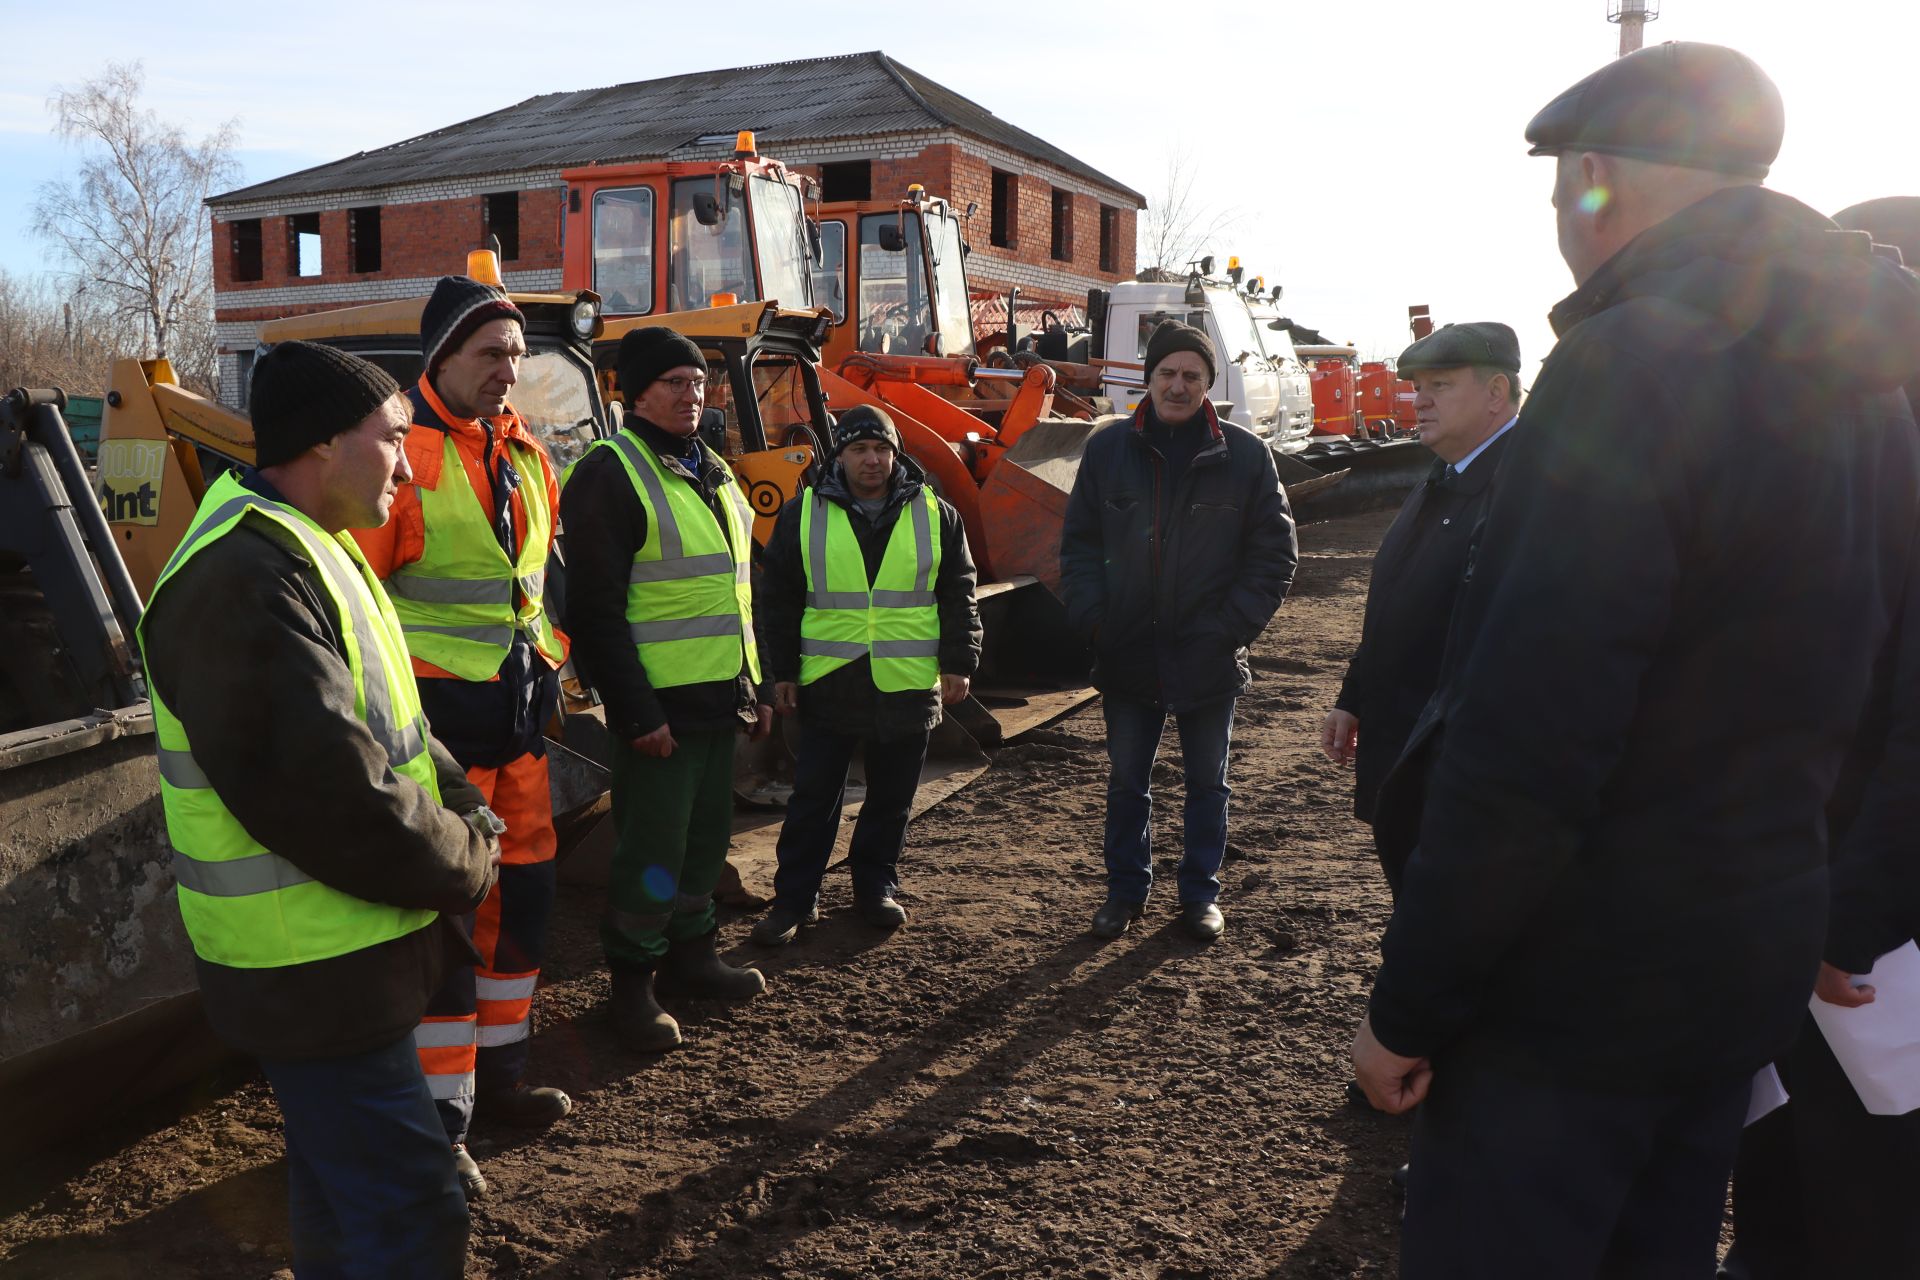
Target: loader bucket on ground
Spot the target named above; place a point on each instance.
(1024, 501)
(1379, 474)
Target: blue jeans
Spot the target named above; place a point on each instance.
(1133, 740)
(371, 1187)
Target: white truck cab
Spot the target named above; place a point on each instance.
(1247, 387)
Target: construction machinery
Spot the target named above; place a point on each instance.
(97, 1004)
(672, 236)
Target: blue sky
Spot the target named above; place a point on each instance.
(1372, 148)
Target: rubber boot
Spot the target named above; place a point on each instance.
(691, 968)
(642, 1025)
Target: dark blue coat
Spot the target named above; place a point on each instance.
(1172, 583)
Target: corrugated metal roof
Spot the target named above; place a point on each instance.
(811, 100)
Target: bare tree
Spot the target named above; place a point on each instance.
(1178, 227)
(130, 224)
(51, 336)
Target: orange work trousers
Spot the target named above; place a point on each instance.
(475, 1035)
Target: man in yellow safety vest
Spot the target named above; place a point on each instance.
(464, 557)
(870, 626)
(320, 852)
(660, 608)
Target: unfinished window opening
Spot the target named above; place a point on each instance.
(303, 243)
(500, 218)
(1062, 247)
(1006, 214)
(1109, 238)
(849, 180)
(246, 262)
(363, 238)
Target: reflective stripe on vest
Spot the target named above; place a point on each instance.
(690, 587)
(243, 905)
(457, 602)
(894, 620)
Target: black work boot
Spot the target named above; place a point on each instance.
(691, 968)
(1112, 919)
(1202, 920)
(533, 1107)
(472, 1182)
(779, 926)
(642, 1025)
(881, 912)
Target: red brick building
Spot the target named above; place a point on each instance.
(386, 223)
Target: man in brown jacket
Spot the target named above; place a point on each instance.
(321, 853)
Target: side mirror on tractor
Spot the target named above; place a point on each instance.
(706, 209)
(892, 238)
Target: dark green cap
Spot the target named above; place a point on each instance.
(1452, 346)
(1703, 106)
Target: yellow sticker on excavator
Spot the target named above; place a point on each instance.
(129, 480)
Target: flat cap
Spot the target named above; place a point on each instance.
(1702, 106)
(1893, 220)
(1478, 342)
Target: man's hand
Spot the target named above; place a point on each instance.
(786, 697)
(1835, 986)
(954, 688)
(1392, 1083)
(762, 722)
(659, 744)
(1340, 736)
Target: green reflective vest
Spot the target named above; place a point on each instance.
(690, 591)
(895, 619)
(243, 905)
(462, 601)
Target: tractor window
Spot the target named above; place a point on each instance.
(709, 259)
(780, 239)
(894, 314)
(950, 281)
(830, 274)
(556, 399)
(623, 249)
(786, 409)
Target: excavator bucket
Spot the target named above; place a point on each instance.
(1375, 474)
(1024, 501)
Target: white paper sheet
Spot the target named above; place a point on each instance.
(1878, 1044)
(1768, 1093)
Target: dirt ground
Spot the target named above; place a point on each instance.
(990, 1092)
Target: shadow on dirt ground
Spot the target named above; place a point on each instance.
(987, 1092)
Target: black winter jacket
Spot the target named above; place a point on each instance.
(603, 524)
(242, 646)
(1171, 587)
(1415, 580)
(1696, 550)
(845, 700)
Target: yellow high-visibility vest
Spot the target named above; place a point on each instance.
(895, 620)
(244, 905)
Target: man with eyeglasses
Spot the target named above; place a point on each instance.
(660, 608)
(464, 558)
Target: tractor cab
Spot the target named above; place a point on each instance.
(672, 236)
(894, 275)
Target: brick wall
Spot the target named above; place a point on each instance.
(426, 230)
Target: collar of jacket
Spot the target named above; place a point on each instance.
(1480, 474)
(686, 454)
(1144, 414)
(432, 411)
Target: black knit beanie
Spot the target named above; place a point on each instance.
(647, 353)
(1172, 336)
(864, 422)
(305, 394)
(460, 305)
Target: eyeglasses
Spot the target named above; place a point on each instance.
(679, 385)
